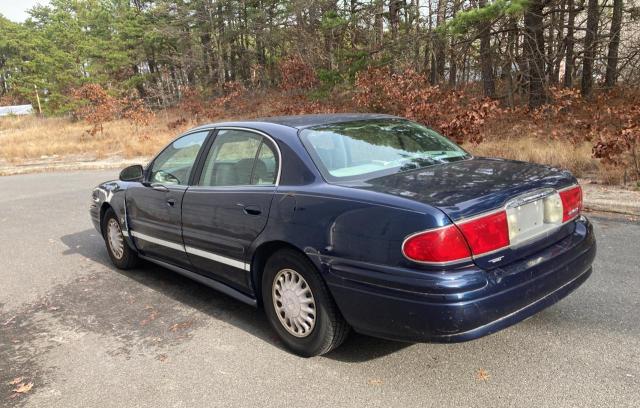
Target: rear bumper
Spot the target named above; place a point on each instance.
(462, 305)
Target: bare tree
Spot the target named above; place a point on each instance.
(589, 48)
(569, 44)
(534, 52)
(486, 62)
(614, 43)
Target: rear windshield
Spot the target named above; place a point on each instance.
(371, 148)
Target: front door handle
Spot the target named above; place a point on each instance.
(171, 202)
(159, 187)
(250, 209)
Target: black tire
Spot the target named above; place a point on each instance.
(127, 258)
(329, 329)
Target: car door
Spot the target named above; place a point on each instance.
(228, 206)
(154, 206)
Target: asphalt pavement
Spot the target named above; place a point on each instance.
(88, 335)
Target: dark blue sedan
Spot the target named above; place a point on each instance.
(365, 222)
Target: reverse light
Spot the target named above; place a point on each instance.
(517, 223)
(553, 212)
(442, 245)
(571, 202)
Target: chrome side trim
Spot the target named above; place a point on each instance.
(263, 135)
(193, 251)
(158, 241)
(217, 258)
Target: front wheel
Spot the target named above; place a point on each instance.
(122, 256)
(299, 305)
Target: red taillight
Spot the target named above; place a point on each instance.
(571, 202)
(486, 234)
(437, 246)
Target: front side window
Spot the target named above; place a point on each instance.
(239, 158)
(174, 165)
(370, 148)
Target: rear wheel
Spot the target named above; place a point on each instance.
(299, 305)
(122, 256)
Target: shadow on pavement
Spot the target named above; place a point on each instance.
(88, 244)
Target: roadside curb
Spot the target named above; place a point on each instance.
(44, 167)
(610, 199)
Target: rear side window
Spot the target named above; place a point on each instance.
(239, 158)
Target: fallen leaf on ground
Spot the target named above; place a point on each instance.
(153, 314)
(375, 381)
(23, 388)
(16, 381)
(161, 358)
(482, 375)
(180, 326)
(9, 321)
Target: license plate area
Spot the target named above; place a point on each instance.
(533, 219)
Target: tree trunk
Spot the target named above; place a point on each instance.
(589, 48)
(614, 42)
(440, 43)
(394, 11)
(561, 46)
(569, 42)
(534, 51)
(379, 23)
(453, 55)
(486, 63)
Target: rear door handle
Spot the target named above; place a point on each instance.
(250, 209)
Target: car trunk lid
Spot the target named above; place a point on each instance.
(468, 188)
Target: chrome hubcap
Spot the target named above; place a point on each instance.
(294, 303)
(114, 236)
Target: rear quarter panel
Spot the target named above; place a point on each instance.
(332, 223)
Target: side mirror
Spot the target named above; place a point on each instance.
(132, 173)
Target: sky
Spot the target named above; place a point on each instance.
(16, 10)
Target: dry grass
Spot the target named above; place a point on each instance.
(558, 153)
(25, 139)
(29, 139)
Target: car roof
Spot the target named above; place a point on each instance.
(303, 121)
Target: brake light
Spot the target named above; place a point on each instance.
(571, 202)
(440, 245)
(486, 234)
